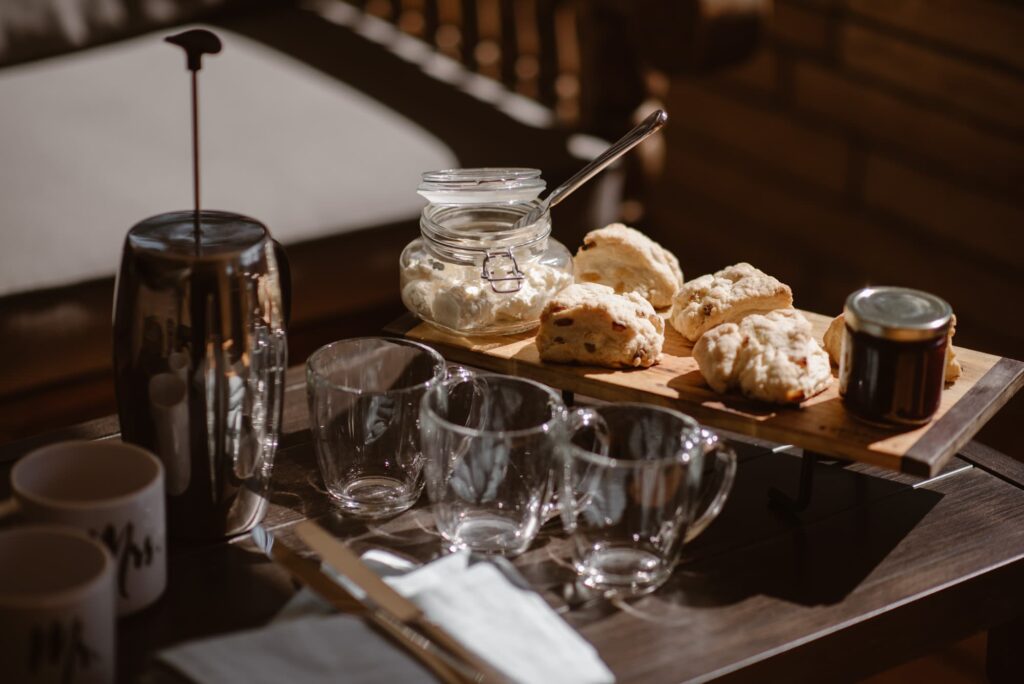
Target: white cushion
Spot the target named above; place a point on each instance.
(95, 141)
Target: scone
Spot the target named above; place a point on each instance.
(590, 324)
(832, 340)
(727, 295)
(771, 357)
(628, 261)
(953, 367)
(833, 343)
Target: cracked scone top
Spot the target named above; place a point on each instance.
(736, 290)
(590, 324)
(628, 261)
(771, 357)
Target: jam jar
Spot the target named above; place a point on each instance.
(893, 364)
(471, 271)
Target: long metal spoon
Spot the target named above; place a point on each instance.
(636, 136)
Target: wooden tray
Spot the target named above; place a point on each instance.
(821, 424)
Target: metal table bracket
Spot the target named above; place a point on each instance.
(783, 502)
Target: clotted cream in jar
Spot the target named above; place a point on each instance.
(471, 272)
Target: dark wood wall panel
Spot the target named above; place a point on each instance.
(864, 142)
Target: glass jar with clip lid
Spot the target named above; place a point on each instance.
(472, 271)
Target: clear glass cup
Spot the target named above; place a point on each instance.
(364, 403)
(637, 482)
(490, 443)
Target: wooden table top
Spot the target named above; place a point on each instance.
(878, 569)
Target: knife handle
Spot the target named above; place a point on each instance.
(438, 662)
(385, 601)
(435, 659)
(442, 638)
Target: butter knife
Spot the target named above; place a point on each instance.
(442, 664)
(376, 594)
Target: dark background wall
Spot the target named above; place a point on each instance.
(866, 142)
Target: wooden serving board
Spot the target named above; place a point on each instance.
(820, 424)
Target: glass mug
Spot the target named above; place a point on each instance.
(490, 444)
(364, 402)
(637, 482)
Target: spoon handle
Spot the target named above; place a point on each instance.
(645, 128)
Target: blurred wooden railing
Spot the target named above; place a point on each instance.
(590, 61)
(530, 46)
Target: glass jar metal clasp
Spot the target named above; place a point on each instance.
(502, 272)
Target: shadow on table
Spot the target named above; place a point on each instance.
(212, 589)
(852, 524)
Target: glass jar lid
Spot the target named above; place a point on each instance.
(897, 313)
(481, 186)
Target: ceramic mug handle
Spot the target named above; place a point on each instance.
(9, 508)
(714, 497)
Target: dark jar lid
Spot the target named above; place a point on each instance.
(897, 313)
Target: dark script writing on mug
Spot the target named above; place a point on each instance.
(60, 645)
(130, 555)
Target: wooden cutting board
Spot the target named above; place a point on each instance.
(820, 424)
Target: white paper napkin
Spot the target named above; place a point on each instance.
(511, 628)
(308, 650)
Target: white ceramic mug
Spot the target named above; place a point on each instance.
(56, 607)
(112, 491)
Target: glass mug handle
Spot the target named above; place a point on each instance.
(456, 372)
(578, 419)
(713, 498)
(583, 418)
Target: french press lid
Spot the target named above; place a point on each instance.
(221, 234)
